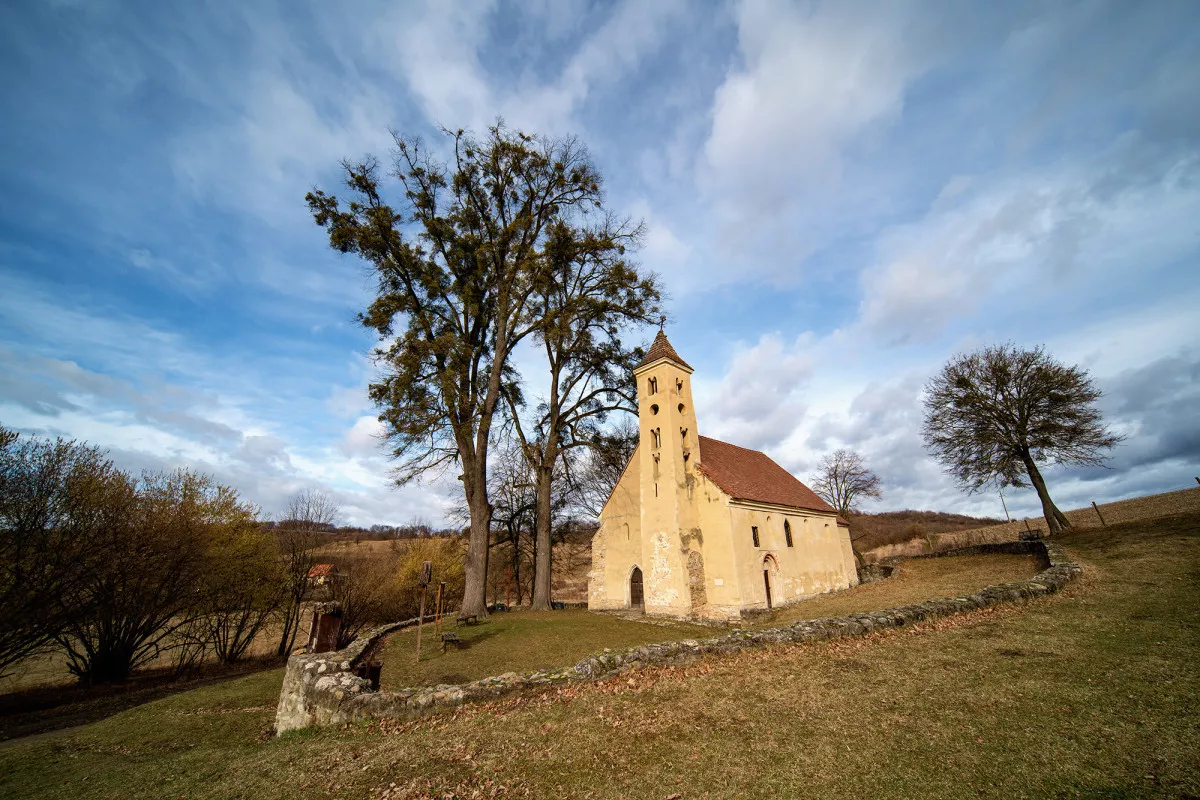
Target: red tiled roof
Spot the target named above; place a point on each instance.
(320, 570)
(842, 521)
(750, 475)
(662, 349)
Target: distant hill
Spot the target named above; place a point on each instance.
(868, 531)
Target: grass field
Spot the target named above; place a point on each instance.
(517, 641)
(915, 581)
(1094, 692)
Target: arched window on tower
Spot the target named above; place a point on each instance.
(652, 385)
(787, 532)
(656, 437)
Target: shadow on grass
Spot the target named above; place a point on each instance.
(46, 709)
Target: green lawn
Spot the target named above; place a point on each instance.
(1094, 692)
(518, 641)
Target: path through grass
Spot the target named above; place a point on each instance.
(1094, 692)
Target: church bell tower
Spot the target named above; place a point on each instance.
(669, 451)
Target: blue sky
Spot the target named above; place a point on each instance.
(838, 196)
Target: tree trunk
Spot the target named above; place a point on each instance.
(1056, 522)
(290, 620)
(541, 571)
(514, 535)
(475, 567)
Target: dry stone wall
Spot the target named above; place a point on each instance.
(1134, 510)
(324, 689)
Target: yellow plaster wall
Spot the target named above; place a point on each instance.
(816, 563)
(617, 545)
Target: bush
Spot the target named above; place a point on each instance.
(54, 497)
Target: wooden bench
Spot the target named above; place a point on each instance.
(470, 619)
(450, 638)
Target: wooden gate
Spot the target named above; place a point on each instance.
(635, 589)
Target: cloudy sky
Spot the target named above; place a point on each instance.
(839, 197)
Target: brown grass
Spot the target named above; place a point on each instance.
(518, 641)
(1088, 693)
(891, 527)
(913, 581)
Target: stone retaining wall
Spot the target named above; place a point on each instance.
(323, 689)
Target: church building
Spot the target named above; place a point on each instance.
(700, 528)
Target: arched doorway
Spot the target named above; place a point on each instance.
(636, 599)
(769, 564)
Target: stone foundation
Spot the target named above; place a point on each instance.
(324, 689)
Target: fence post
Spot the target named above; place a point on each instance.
(1098, 514)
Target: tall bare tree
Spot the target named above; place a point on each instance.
(992, 415)
(585, 296)
(514, 509)
(308, 512)
(452, 300)
(843, 479)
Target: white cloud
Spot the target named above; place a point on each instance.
(813, 80)
(756, 400)
(1030, 243)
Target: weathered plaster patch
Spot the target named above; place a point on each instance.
(597, 585)
(660, 591)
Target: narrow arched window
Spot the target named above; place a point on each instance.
(754, 534)
(656, 437)
(787, 532)
(652, 385)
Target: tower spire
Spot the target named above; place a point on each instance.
(662, 349)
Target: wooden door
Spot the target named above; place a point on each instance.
(635, 589)
(767, 584)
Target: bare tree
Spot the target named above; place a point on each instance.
(585, 295)
(514, 503)
(452, 302)
(843, 479)
(307, 514)
(52, 497)
(992, 415)
(312, 509)
(245, 587)
(153, 550)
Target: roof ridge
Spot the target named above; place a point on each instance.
(746, 474)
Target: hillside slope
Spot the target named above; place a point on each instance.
(891, 527)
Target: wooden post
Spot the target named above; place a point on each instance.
(1005, 506)
(420, 620)
(440, 599)
(1098, 514)
(426, 574)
